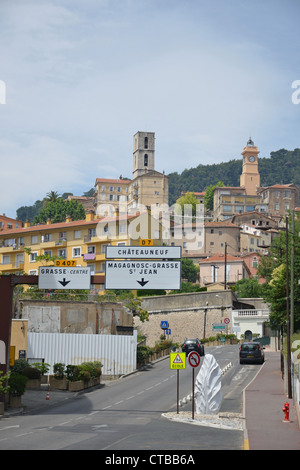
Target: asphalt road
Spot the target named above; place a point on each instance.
(127, 414)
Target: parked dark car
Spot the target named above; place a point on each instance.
(190, 345)
(251, 352)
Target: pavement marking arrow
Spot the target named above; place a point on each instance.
(142, 282)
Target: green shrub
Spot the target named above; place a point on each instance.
(43, 367)
(17, 384)
(19, 365)
(72, 372)
(31, 373)
(4, 387)
(59, 370)
(143, 352)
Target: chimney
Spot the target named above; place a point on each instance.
(89, 215)
(49, 221)
(68, 218)
(27, 223)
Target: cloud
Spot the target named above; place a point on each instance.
(83, 77)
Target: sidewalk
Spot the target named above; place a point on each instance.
(264, 399)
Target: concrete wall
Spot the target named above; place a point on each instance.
(76, 317)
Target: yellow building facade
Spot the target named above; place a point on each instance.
(84, 241)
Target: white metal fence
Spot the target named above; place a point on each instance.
(116, 352)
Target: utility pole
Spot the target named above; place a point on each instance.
(225, 267)
(292, 272)
(288, 332)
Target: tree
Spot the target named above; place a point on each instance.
(273, 268)
(188, 199)
(189, 270)
(209, 195)
(52, 196)
(57, 211)
(248, 288)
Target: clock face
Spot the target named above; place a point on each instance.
(251, 159)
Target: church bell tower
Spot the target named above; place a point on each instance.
(143, 153)
(250, 178)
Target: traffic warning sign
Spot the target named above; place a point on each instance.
(177, 361)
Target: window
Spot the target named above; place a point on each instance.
(32, 256)
(111, 188)
(62, 235)
(227, 208)
(91, 249)
(111, 197)
(34, 239)
(6, 259)
(76, 252)
(46, 238)
(77, 234)
(146, 142)
(145, 159)
(62, 253)
(211, 230)
(92, 232)
(48, 252)
(122, 228)
(276, 206)
(119, 189)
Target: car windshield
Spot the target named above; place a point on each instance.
(250, 347)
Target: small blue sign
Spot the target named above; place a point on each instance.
(168, 331)
(164, 325)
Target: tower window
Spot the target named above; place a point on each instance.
(146, 142)
(145, 159)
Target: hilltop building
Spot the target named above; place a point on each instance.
(148, 187)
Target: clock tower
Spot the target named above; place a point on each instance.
(250, 178)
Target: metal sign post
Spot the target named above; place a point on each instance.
(194, 361)
(177, 361)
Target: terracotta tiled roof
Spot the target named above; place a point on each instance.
(119, 181)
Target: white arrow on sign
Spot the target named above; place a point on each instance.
(77, 277)
(142, 274)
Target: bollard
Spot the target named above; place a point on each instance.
(48, 394)
(286, 410)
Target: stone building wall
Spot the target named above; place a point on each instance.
(185, 314)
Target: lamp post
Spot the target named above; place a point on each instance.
(288, 332)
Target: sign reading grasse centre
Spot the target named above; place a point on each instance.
(64, 277)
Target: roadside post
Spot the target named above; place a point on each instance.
(177, 362)
(194, 361)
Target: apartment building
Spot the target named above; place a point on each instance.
(229, 201)
(253, 239)
(84, 241)
(114, 192)
(212, 270)
(8, 223)
(279, 199)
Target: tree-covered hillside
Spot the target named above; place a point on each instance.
(282, 167)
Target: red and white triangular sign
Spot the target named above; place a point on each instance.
(178, 360)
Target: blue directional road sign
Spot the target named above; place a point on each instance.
(164, 325)
(168, 331)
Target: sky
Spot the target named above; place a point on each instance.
(78, 78)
